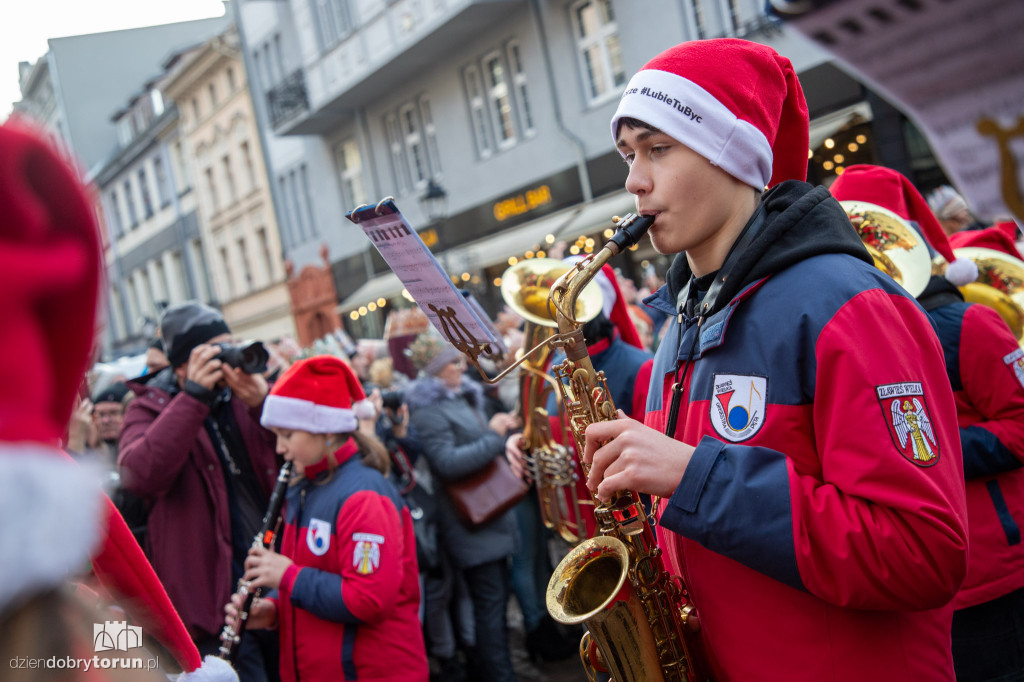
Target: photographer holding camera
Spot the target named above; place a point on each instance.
(192, 446)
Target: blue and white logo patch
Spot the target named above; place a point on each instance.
(738, 405)
(318, 536)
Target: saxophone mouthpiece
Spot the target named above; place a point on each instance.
(629, 230)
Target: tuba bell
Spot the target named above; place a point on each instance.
(524, 288)
(1000, 285)
(896, 247)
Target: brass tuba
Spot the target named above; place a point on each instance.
(641, 624)
(1000, 285)
(524, 287)
(897, 248)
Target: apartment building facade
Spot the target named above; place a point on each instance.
(237, 223)
(503, 104)
(154, 256)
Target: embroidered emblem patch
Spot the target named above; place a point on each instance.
(366, 555)
(1015, 361)
(738, 405)
(318, 536)
(910, 424)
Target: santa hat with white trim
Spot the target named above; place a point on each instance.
(736, 103)
(321, 394)
(891, 189)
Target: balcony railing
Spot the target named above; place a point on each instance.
(288, 98)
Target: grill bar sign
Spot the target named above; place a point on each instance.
(522, 203)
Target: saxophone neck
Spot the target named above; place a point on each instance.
(564, 293)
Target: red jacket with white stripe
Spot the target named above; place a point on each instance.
(820, 525)
(348, 608)
(985, 366)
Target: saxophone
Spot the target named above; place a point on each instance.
(525, 288)
(641, 623)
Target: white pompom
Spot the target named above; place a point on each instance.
(962, 271)
(213, 670)
(364, 409)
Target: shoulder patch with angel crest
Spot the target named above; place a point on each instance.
(910, 425)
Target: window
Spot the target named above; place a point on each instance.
(250, 166)
(124, 131)
(211, 187)
(265, 254)
(147, 199)
(415, 150)
(431, 134)
(734, 14)
(305, 201)
(213, 95)
(288, 226)
(229, 178)
(229, 277)
(156, 100)
(202, 272)
(332, 24)
(699, 20)
(350, 165)
(180, 276)
(477, 111)
(519, 83)
(232, 84)
(161, 287)
(597, 41)
(246, 264)
(500, 101)
(114, 215)
(163, 194)
(129, 200)
(398, 164)
(196, 113)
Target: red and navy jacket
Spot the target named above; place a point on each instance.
(348, 608)
(986, 370)
(820, 525)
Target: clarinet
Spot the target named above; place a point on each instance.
(231, 640)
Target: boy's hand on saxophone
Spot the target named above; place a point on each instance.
(623, 454)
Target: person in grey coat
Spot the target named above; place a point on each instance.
(458, 439)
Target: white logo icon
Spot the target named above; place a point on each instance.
(318, 537)
(738, 405)
(116, 635)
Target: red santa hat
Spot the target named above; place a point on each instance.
(320, 395)
(1001, 237)
(50, 267)
(736, 103)
(612, 304)
(892, 190)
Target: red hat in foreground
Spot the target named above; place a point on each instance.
(58, 518)
(736, 103)
(892, 190)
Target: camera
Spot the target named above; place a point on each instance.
(251, 357)
(392, 400)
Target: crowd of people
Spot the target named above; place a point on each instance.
(833, 464)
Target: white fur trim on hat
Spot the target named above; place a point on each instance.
(213, 670)
(962, 271)
(294, 413)
(689, 113)
(51, 509)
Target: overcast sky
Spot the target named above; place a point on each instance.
(27, 24)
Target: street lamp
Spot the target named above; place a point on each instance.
(434, 201)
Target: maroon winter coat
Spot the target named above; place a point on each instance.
(167, 458)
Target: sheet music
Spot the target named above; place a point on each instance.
(420, 272)
(955, 67)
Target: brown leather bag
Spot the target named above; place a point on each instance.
(486, 494)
